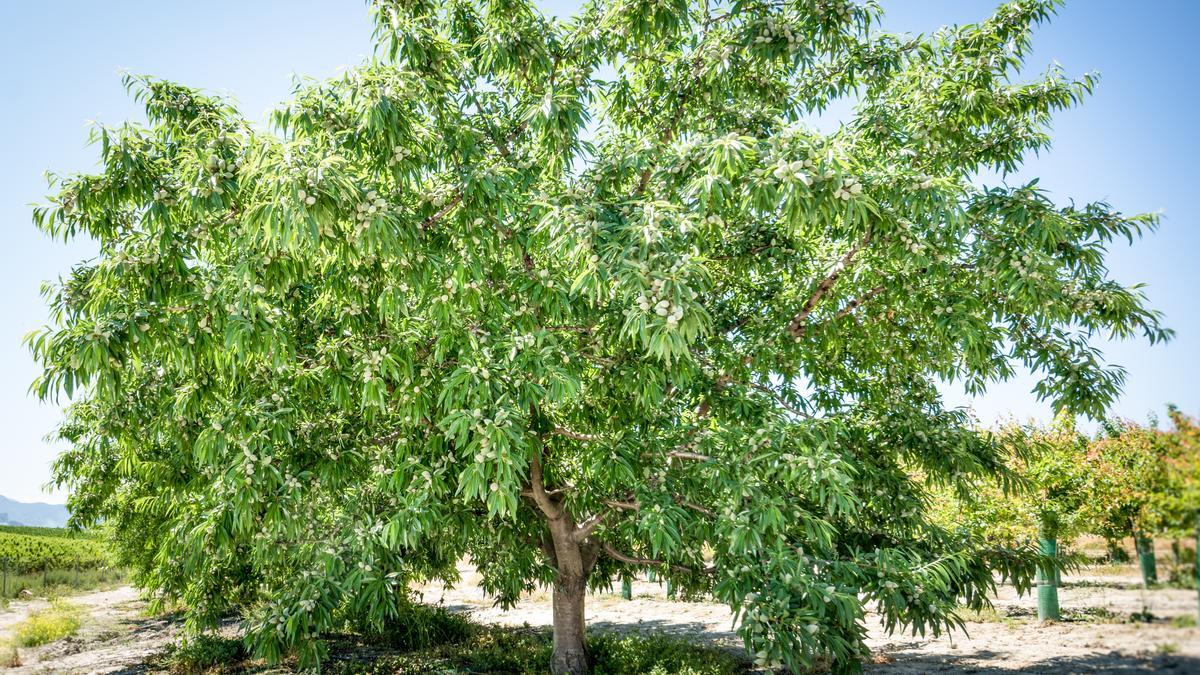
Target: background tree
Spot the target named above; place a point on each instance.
(1146, 483)
(573, 297)
(1044, 500)
(1132, 487)
(1183, 472)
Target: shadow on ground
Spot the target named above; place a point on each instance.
(1113, 663)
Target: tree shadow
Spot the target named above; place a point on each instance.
(1112, 663)
(693, 631)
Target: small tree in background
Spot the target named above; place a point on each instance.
(1044, 499)
(1181, 505)
(1131, 487)
(577, 297)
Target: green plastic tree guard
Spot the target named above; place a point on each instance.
(627, 588)
(1046, 582)
(1145, 551)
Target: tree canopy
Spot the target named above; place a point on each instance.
(575, 297)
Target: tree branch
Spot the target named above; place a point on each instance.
(668, 132)
(537, 488)
(694, 506)
(850, 307)
(683, 454)
(778, 399)
(574, 435)
(622, 557)
(588, 526)
(442, 212)
(796, 326)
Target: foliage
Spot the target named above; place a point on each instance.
(26, 553)
(203, 653)
(494, 649)
(574, 298)
(1132, 481)
(50, 532)
(61, 581)
(1181, 498)
(418, 626)
(1053, 485)
(44, 626)
(634, 655)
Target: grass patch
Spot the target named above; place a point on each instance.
(526, 651)
(1166, 648)
(204, 654)
(1184, 621)
(986, 615)
(44, 626)
(427, 639)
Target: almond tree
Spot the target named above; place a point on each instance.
(1044, 496)
(575, 298)
(1146, 482)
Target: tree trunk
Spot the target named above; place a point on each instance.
(1196, 559)
(570, 655)
(573, 561)
(1047, 580)
(1144, 543)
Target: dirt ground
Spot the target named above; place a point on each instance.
(1098, 635)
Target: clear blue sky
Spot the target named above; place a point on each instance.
(1133, 144)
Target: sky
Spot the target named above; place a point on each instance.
(1133, 144)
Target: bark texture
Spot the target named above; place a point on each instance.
(573, 561)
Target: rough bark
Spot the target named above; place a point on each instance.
(573, 562)
(570, 655)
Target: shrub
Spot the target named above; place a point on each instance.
(659, 655)
(203, 653)
(421, 627)
(526, 651)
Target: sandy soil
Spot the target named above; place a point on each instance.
(117, 636)
(1097, 637)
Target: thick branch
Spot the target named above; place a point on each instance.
(537, 488)
(694, 506)
(850, 307)
(588, 526)
(442, 212)
(574, 435)
(797, 325)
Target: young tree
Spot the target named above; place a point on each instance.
(1146, 483)
(1132, 487)
(573, 297)
(1181, 503)
(1044, 499)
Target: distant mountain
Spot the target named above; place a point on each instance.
(36, 514)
